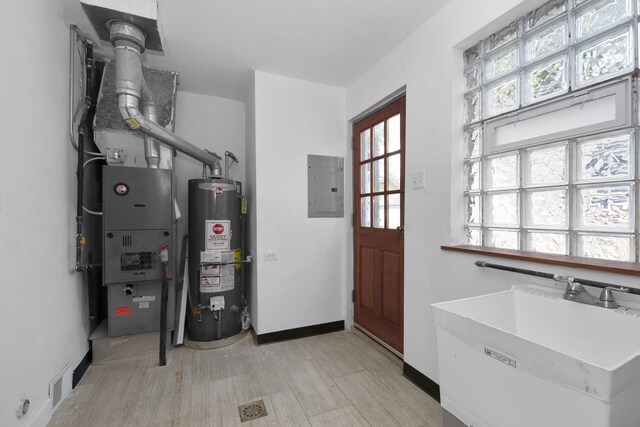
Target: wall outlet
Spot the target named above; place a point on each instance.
(271, 255)
(418, 179)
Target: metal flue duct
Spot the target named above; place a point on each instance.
(132, 90)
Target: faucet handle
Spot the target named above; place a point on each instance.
(573, 288)
(563, 278)
(606, 296)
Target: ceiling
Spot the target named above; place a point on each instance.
(214, 44)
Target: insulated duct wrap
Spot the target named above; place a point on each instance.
(112, 131)
(161, 83)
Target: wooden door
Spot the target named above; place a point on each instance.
(378, 221)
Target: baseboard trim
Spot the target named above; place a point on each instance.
(425, 383)
(82, 367)
(305, 331)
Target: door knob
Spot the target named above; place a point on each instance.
(400, 229)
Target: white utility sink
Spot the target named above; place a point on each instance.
(528, 358)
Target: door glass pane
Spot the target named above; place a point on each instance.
(394, 172)
(502, 172)
(365, 178)
(378, 175)
(393, 133)
(551, 243)
(506, 239)
(547, 208)
(502, 96)
(365, 212)
(393, 203)
(502, 209)
(608, 55)
(546, 80)
(600, 15)
(378, 211)
(365, 144)
(605, 158)
(618, 248)
(546, 166)
(472, 210)
(378, 139)
(605, 207)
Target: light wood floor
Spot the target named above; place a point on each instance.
(338, 379)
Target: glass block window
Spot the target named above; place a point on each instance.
(575, 196)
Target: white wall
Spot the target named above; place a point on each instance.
(306, 284)
(43, 310)
(213, 123)
(430, 64)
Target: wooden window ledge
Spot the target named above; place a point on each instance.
(618, 267)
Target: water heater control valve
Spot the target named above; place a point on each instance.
(216, 303)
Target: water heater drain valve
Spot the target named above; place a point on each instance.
(216, 303)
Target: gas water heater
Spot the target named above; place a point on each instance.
(216, 250)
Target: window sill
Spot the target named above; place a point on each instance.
(618, 267)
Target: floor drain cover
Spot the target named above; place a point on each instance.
(252, 410)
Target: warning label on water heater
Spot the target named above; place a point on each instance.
(223, 280)
(216, 257)
(217, 234)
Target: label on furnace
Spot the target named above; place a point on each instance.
(122, 311)
(144, 298)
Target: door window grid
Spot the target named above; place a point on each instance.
(380, 170)
(556, 211)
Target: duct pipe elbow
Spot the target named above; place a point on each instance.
(129, 107)
(131, 87)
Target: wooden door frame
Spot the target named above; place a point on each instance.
(367, 120)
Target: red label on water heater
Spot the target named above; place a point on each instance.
(219, 191)
(217, 234)
(121, 311)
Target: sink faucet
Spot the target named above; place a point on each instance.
(578, 293)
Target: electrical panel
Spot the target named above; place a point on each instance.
(325, 186)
